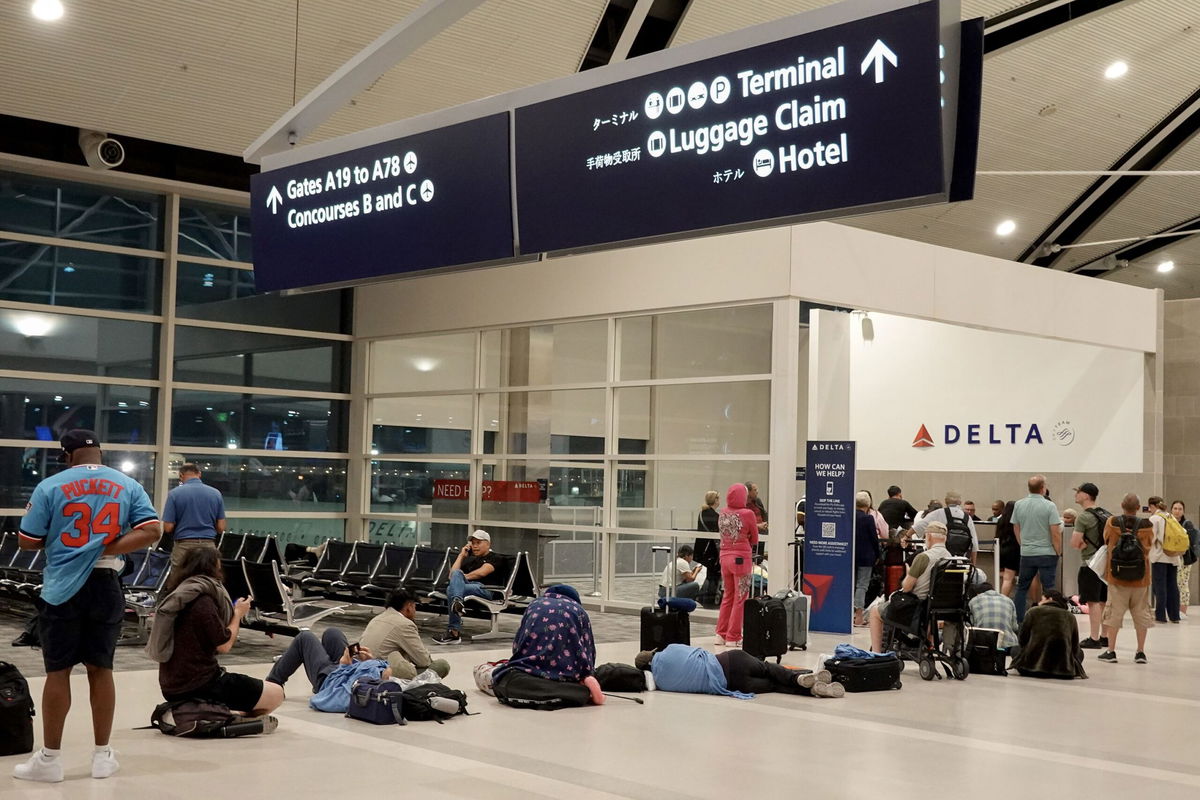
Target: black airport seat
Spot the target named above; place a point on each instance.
(389, 572)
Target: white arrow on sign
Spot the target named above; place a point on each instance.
(274, 199)
(878, 54)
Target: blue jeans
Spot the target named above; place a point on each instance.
(1166, 591)
(862, 579)
(459, 588)
(319, 657)
(1045, 567)
(689, 590)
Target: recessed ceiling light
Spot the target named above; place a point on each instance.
(1116, 70)
(1006, 227)
(1166, 266)
(47, 10)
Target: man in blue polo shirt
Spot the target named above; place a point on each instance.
(83, 517)
(194, 514)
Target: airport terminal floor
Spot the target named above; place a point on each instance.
(1125, 732)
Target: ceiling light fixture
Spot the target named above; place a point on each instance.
(1116, 70)
(47, 10)
(1006, 227)
(1166, 266)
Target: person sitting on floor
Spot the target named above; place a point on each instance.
(1049, 641)
(393, 634)
(733, 673)
(554, 656)
(990, 609)
(193, 623)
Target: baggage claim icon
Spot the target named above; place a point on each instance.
(657, 144)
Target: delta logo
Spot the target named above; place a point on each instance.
(1010, 433)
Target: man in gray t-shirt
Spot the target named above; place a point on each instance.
(1038, 528)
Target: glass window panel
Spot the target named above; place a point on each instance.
(66, 276)
(45, 410)
(401, 486)
(697, 344)
(565, 422)
(544, 355)
(637, 569)
(78, 211)
(239, 358)
(402, 532)
(424, 424)
(558, 492)
(39, 342)
(573, 557)
(22, 468)
(668, 495)
(423, 363)
(249, 421)
(214, 231)
(307, 532)
(253, 483)
(700, 419)
(226, 294)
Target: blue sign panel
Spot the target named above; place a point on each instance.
(848, 117)
(435, 199)
(829, 535)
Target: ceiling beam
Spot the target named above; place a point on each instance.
(357, 74)
(1036, 19)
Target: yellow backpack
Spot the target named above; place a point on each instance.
(1175, 538)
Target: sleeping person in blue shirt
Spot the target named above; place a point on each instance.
(733, 673)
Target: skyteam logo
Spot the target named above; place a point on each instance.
(1010, 433)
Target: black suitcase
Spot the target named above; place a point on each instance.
(765, 628)
(16, 712)
(866, 674)
(984, 657)
(663, 626)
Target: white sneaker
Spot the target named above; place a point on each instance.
(105, 764)
(719, 642)
(39, 768)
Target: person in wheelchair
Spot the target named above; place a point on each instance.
(918, 581)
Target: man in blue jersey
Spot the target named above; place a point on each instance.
(84, 517)
(194, 514)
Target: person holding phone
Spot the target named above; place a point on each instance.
(739, 537)
(475, 561)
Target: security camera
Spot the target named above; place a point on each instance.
(101, 151)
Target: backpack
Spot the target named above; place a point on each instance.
(1127, 561)
(1175, 538)
(432, 701)
(958, 534)
(1190, 556)
(16, 712)
(1102, 517)
(620, 678)
(376, 701)
(195, 718)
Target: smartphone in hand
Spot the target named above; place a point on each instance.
(353, 650)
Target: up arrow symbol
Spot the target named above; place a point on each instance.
(274, 199)
(878, 54)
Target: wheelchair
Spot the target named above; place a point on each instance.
(924, 638)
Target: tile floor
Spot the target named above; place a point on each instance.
(1127, 732)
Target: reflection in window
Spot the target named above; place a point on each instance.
(250, 483)
(22, 468)
(423, 363)
(45, 410)
(307, 532)
(544, 355)
(700, 419)
(668, 494)
(214, 231)
(401, 486)
(566, 422)
(39, 342)
(199, 284)
(77, 211)
(239, 358)
(65, 276)
(426, 424)
(226, 294)
(697, 344)
(254, 421)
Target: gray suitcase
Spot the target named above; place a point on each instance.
(796, 605)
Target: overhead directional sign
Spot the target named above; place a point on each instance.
(434, 199)
(844, 118)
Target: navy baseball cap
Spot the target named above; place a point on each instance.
(76, 438)
(1089, 489)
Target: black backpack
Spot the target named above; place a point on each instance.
(16, 712)
(196, 718)
(420, 703)
(1102, 517)
(620, 678)
(958, 534)
(1127, 562)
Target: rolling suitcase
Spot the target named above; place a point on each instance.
(866, 674)
(663, 626)
(796, 605)
(765, 628)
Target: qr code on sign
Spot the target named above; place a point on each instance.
(828, 530)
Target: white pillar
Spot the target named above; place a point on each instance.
(785, 397)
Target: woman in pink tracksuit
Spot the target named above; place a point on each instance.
(739, 535)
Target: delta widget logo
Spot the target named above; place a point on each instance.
(923, 439)
(1013, 433)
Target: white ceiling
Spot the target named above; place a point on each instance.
(215, 74)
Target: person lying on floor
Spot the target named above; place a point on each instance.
(733, 673)
(195, 622)
(554, 656)
(391, 634)
(1049, 641)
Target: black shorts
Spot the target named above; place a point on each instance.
(239, 692)
(1091, 588)
(85, 629)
